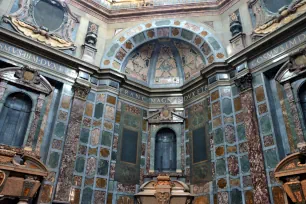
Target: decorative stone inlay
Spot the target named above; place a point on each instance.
(235, 182)
(65, 179)
(62, 115)
(216, 109)
(223, 198)
(77, 180)
(257, 167)
(99, 197)
(222, 183)
(233, 166)
(260, 94)
(230, 134)
(104, 152)
(295, 114)
(243, 147)
(214, 95)
(101, 182)
(57, 144)
(262, 108)
(268, 141)
(219, 151)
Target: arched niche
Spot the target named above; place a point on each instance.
(195, 34)
(165, 150)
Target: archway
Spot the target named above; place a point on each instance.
(197, 35)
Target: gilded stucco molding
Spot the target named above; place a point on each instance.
(284, 17)
(38, 34)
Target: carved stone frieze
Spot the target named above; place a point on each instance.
(245, 82)
(80, 91)
(26, 76)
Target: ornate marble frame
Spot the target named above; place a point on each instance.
(164, 119)
(23, 22)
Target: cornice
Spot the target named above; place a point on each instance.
(180, 10)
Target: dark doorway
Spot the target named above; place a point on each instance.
(165, 150)
(14, 119)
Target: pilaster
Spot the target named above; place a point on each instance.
(34, 125)
(294, 111)
(65, 178)
(257, 167)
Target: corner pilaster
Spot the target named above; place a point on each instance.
(256, 159)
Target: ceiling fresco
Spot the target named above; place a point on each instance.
(164, 62)
(189, 47)
(124, 4)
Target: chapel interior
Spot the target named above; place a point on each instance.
(152, 101)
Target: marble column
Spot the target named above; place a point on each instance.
(37, 111)
(65, 178)
(295, 114)
(256, 159)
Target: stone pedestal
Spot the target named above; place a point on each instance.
(89, 53)
(238, 42)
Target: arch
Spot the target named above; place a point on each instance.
(165, 150)
(14, 118)
(197, 35)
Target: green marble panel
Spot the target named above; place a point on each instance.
(187, 34)
(53, 159)
(241, 132)
(84, 135)
(271, 158)
(227, 106)
(265, 124)
(103, 167)
(139, 38)
(236, 196)
(79, 164)
(99, 110)
(106, 138)
(218, 136)
(87, 196)
(60, 129)
(245, 164)
(220, 167)
(163, 22)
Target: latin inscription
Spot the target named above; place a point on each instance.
(195, 93)
(278, 50)
(37, 59)
(163, 100)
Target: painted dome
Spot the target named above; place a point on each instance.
(164, 62)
